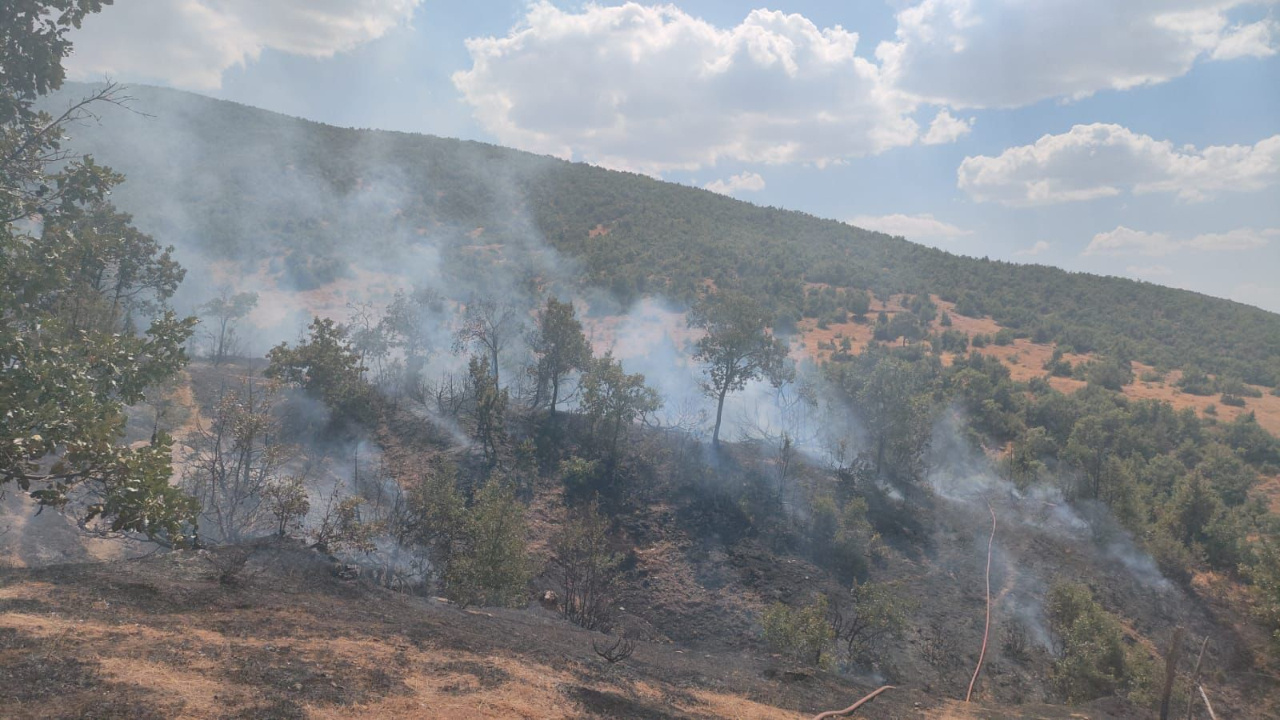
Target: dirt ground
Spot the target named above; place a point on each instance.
(1026, 360)
(160, 637)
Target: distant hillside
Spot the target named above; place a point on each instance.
(311, 200)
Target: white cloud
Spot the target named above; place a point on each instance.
(655, 89)
(1238, 239)
(1253, 40)
(1102, 160)
(946, 129)
(1126, 241)
(1039, 248)
(742, 182)
(1149, 271)
(1008, 53)
(190, 43)
(910, 226)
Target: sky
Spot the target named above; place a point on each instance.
(1137, 138)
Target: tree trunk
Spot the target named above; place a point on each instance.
(715, 436)
(555, 393)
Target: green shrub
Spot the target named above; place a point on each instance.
(802, 634)
(1094, 660)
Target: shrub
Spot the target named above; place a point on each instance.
(802, 634)
(491, 567)
(1094, 660)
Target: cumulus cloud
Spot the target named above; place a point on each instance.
(742, 182)
(190, 43)
(1039, 248)
(1127, 241)
(1008, 53)
(946, 129)
(655, 89)
(910, 226)
(1238, 239)
(1104, 160)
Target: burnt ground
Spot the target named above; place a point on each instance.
(162, 637)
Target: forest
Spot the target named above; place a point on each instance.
(467, 435)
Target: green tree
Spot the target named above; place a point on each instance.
(491, 566)
(893, 397)
(560, 347)
(1094, 661)
(70, 287)
(867, 619)
(325, 366)
(489, 415)
(613, 399)
(737, 347)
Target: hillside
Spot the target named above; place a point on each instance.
(313, 207)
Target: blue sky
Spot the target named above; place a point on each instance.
(1138, 139)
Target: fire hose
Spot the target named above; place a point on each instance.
(986, 631)
(855, 706)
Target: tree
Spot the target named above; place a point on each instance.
(870, 616)
(286, 499)
(234, 460)
(489, 325)
(893, 397)
(324, 365)
(225, 311)
(559, 345)
(489, 417)
(586, 568)
(491, 566)
(69, 287)
(737, 347)
(612, 399)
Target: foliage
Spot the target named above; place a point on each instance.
(489, 409)
(234, 459)
(490, 565)
(225, 311)
(1094, 660)
(802, 634)
(287, 502)
(342, 528)
(489, 325)
(613, 399)
(737, 347)
(75, 278)
(868, 618)
(325, 366)
(560, 347)
(894, 396)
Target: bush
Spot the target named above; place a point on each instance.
(802, 634)
(1094, 660)
(1232, 400)
(491, 567)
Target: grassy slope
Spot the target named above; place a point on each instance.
(238, 181)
